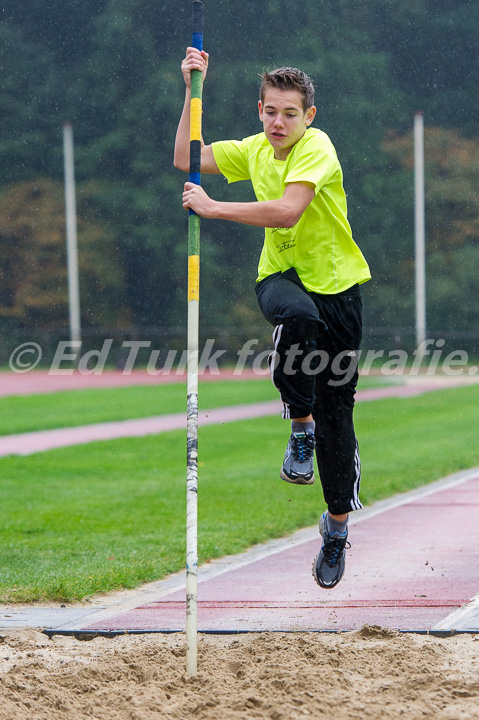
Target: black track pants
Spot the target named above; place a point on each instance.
(314, 366)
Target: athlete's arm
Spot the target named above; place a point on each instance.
(283, 212)
(194, 60)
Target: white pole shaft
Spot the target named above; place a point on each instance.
(71, 235)
(192, 490)
(420, 230)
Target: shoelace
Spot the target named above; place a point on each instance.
(303, 447)
(333, 549)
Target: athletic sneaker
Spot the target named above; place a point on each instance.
(329, 564)
(298, 465)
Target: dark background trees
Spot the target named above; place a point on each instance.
(111, 67)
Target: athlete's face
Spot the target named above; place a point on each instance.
(284, 119)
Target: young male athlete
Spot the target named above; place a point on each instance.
(308, 282)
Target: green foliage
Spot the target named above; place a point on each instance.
(28, 413)
(33, 260)
(452, 223)
(28, 95)
(432, 47)
(112, 68)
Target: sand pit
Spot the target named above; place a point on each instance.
(371, 673)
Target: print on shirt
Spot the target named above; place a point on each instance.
(286, 245)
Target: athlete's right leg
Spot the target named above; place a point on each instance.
(286, 304)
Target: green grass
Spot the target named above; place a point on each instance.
(83, 520)
(27, 413)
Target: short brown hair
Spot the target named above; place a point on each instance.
(288, 78)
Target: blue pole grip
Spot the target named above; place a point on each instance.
(197, 36)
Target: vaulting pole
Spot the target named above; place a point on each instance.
(192, 387)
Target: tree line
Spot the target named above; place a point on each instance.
(112, 68)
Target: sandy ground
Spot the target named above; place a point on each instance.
(371, 673)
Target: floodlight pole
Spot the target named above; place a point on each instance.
(71, 235)
(420, 231)
(193, 342)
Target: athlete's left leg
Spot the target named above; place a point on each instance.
(336, 445)
(337, 450)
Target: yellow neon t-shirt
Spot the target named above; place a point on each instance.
(320, 246)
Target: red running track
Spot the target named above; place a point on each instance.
(409, 568)
(27, 443)
(41, 381)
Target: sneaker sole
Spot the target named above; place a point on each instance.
(322, 522)
(297, 481)
(321, 585)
